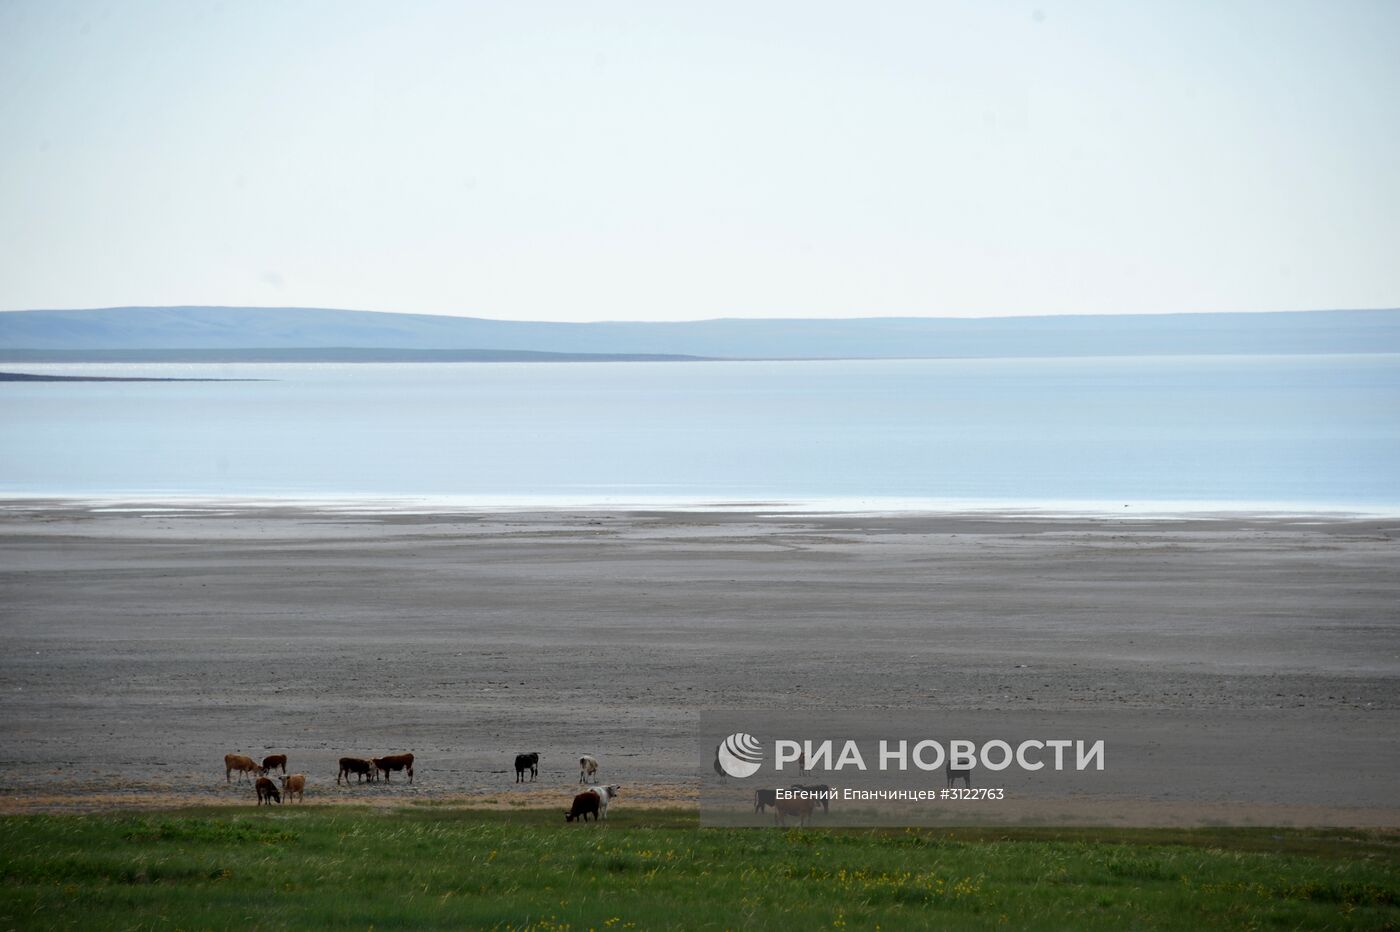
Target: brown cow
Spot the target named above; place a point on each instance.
(357, 765)
(394, 762)
(802, 808)
(267, 790)
(244, 764)
(273, 762)
(295, 787)
(585, 803)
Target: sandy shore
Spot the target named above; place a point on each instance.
(140, 646)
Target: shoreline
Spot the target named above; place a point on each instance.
(841, 507)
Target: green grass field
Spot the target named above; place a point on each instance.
(426, 867)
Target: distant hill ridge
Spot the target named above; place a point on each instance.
(222, 333)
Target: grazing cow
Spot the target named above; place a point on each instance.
(802, 808)
(763, 799)
(723, 777)
(267, 791)
(242, 763)
(524, 762)
(821, 790)
(273, 762)
(584, 803)
(295, 787)
(956, 774)
(587, 767)
(605, 794)
(393, 762)
(356, 765)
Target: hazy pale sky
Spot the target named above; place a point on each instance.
(585, 161)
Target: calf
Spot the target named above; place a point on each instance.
(956, 774)
(820, 793)
(355, 765)
(273, 762)
(295, 787)
(763, 799)
(267, 791)
(524, 762)
(802, 808)
(587, 767)
(242, 763)
(605, 794)
(584, 803)
(393, 762)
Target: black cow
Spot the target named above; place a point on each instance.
(524, 762)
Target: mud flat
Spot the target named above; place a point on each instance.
(142, 644)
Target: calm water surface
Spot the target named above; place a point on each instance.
(1305, 431)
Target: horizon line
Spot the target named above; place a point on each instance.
(697, 320)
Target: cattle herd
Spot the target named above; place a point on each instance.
(592, 801)
(294, 785)
(372, 769)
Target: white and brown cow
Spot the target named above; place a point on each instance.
(605, 794)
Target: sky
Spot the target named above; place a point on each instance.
(670, 161)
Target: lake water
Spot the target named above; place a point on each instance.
(1181, 433)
